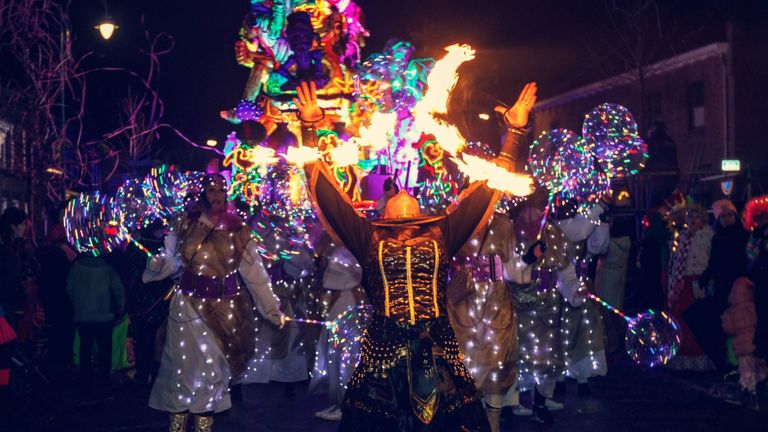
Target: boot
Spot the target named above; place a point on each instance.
(540, 412)
(494, 416)
(203, 423)
(178, 422)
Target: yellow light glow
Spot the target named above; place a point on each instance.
(484, 116)
(376, 135)
(301, 155)
(211, 143)
(106, 29)
(345, 154)
(441, 81)
(498, 178)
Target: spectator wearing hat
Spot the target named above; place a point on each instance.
(727, 262)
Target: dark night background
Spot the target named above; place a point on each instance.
(559, 44)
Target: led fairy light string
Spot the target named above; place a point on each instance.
(140, 246)
(342, 327)
(168, 191)
(92, 223)
(137, 209)
(616, 143)
(652, 338)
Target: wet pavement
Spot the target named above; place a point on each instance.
(628, 399)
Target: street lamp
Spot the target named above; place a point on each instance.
(107, 27)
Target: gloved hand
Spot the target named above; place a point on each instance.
(579, 297)
(155, 263)
(535, 251)
(277, 318)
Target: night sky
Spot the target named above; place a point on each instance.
(559, 44)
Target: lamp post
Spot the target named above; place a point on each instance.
(106, 29)
(107, 26)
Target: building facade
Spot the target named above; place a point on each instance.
(709, 101)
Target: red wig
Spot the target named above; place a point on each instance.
(754, 207)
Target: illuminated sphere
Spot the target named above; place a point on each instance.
(92, 223)
(612, 133)
(137, 210)
(169, 190)
(349, 325)
(558, 158)
(652, 339)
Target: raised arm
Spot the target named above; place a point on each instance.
(475, 204)
(333, 206)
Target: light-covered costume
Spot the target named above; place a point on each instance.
(411, 376)
(285, 355)
(537, 303)
(212, 327)
(582, 324)
(482, 311)
(335, 359)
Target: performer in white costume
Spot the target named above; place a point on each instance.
(582, 324)
(211, 334)
(341, 291)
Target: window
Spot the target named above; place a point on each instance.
(695, 105)
(653, 108)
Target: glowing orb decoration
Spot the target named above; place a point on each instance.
(167, 188)
(558, 158)
(93, 225)
(612, 132)
(653, 338)
(348, 327)
(136, 210)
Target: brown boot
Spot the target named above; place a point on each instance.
(178, 422)
(203, 423)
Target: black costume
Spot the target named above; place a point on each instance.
(411, 376)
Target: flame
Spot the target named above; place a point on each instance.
(498, 178)
(376, 135)
(345, 154)
(248, 158)
(300, 156)
(441, 81)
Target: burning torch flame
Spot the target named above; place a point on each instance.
(345, 154)
(441, 81)
(376, 135)
(300, 156)
(498, 178)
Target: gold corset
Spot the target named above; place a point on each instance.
(411, 279)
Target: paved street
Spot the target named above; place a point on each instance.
(628, 399)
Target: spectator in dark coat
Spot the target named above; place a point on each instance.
(98, 300)
(727, 262)
(13, 226)
(54, 259)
